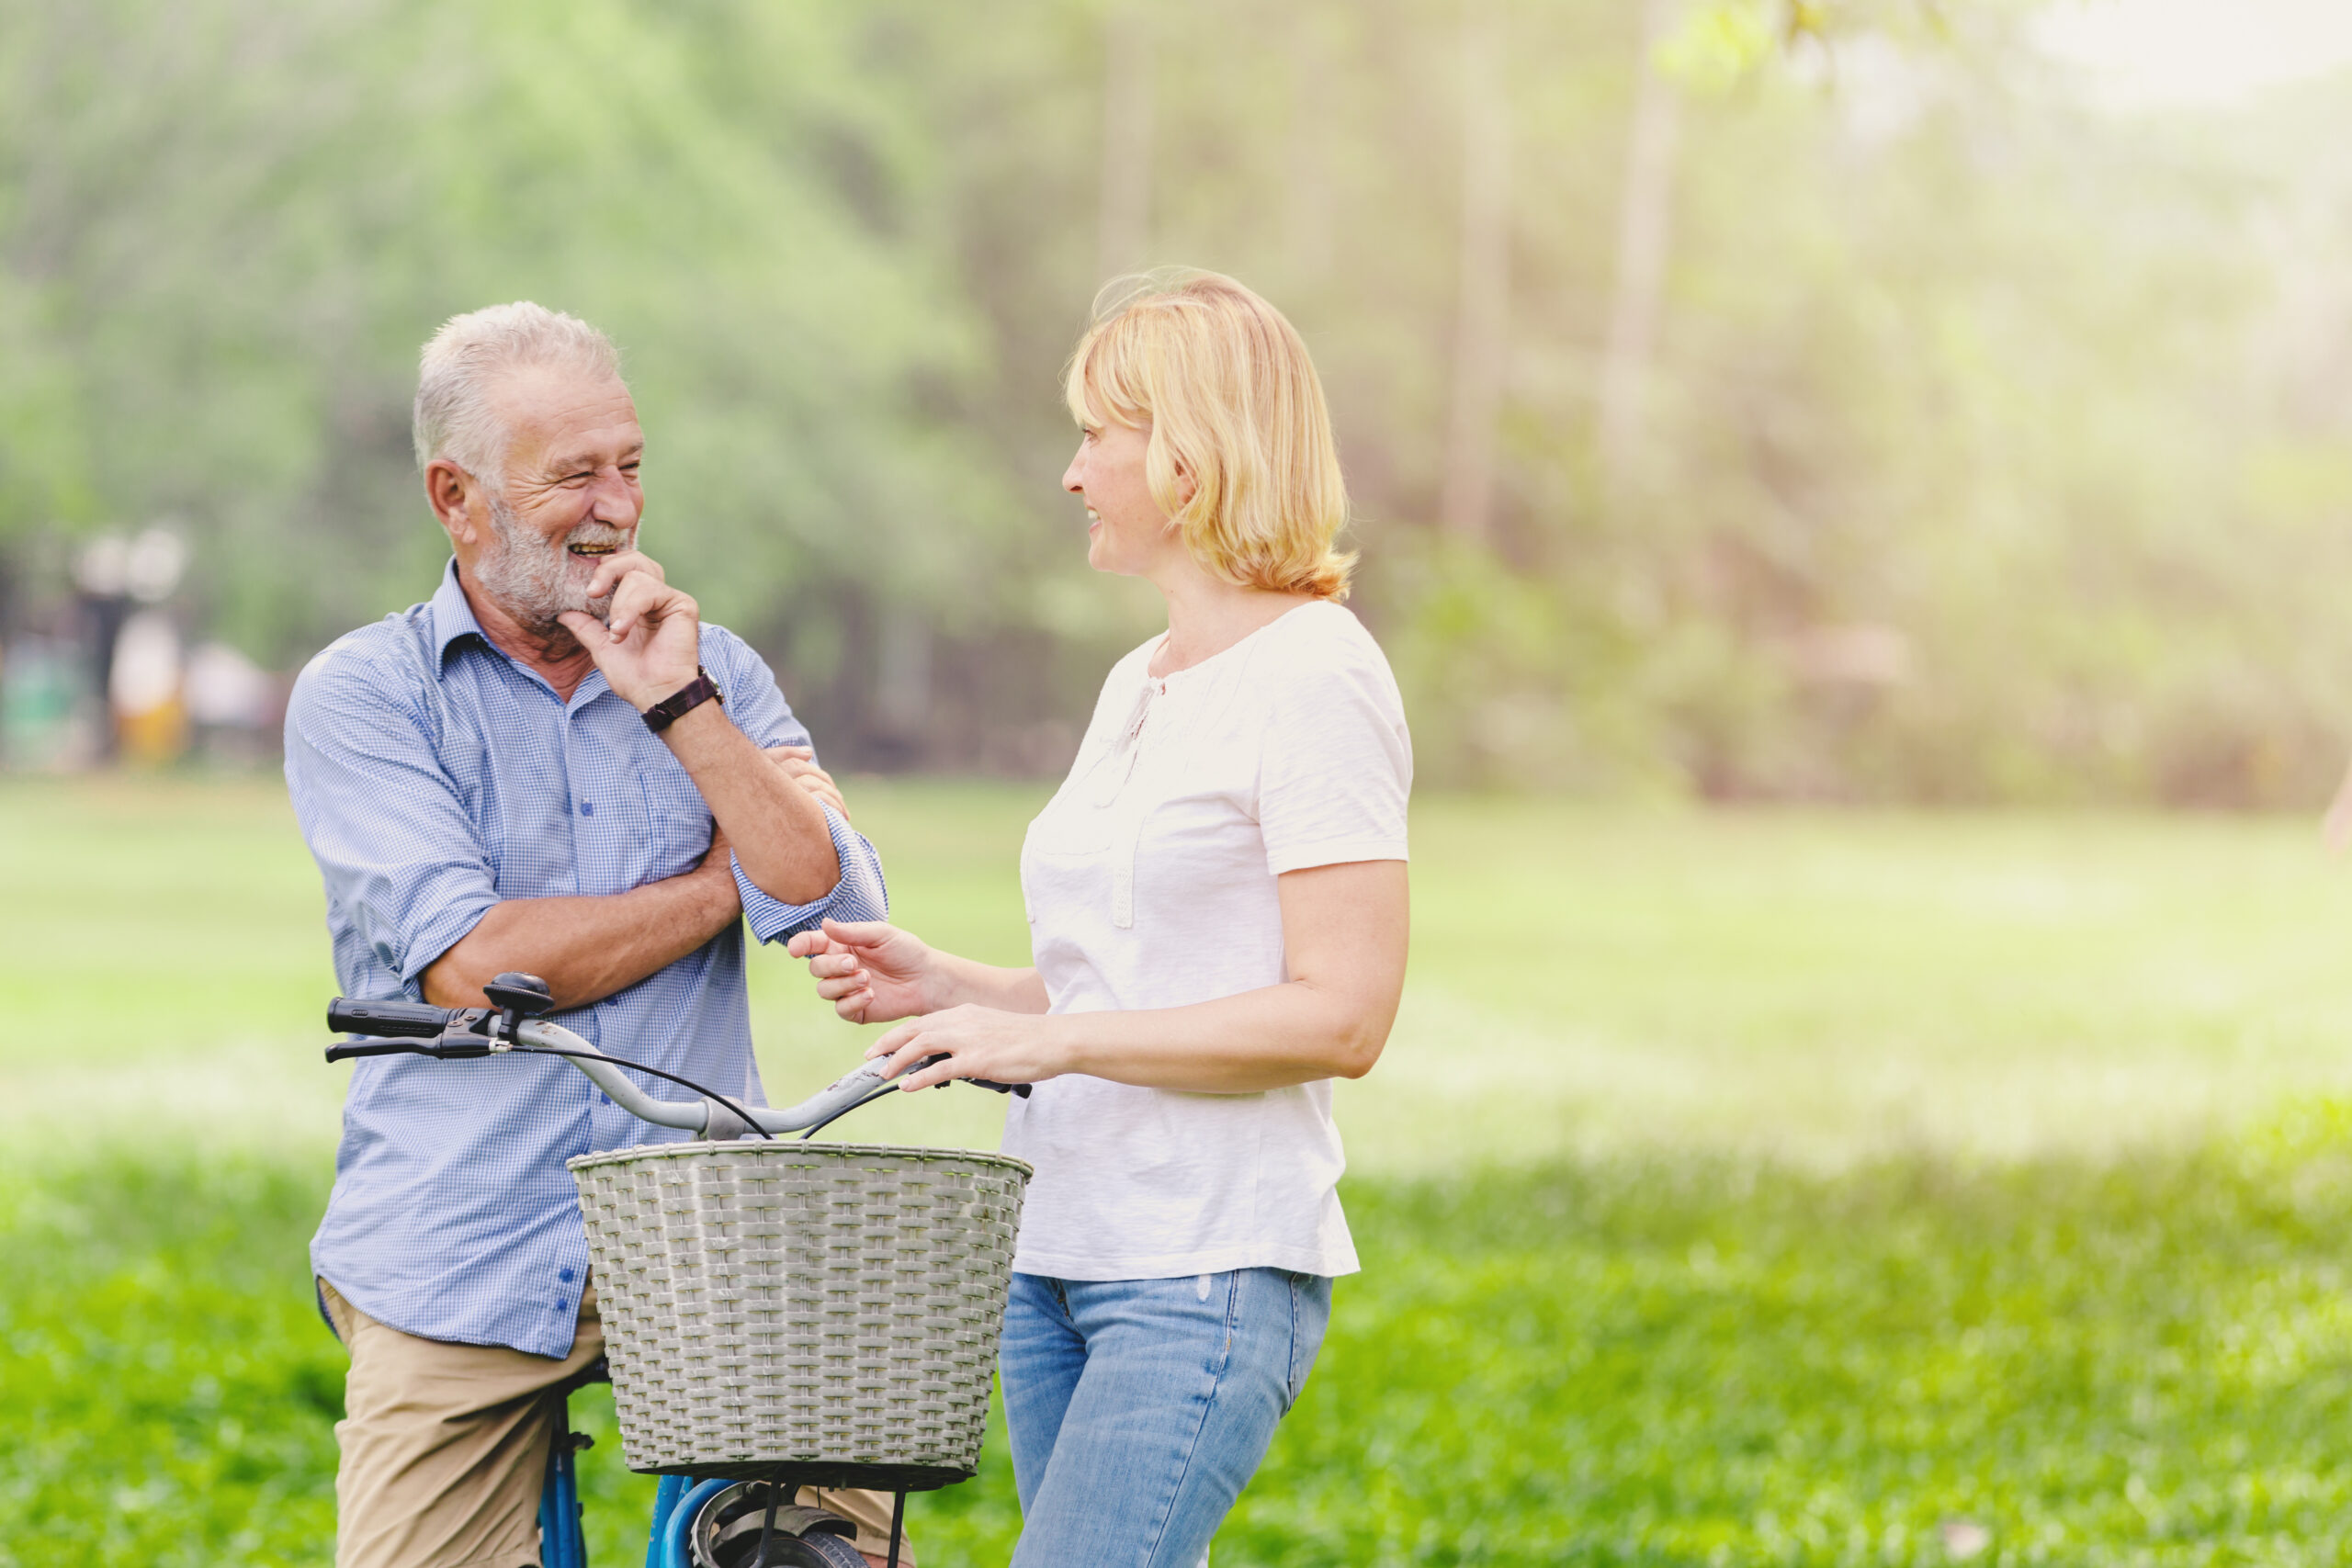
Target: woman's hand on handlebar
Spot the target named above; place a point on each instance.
(870, 970)
(978, 1043)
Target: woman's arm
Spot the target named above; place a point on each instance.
(872, 972)
(1345, 930)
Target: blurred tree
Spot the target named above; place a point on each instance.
(1789, 397)
(1483, 316)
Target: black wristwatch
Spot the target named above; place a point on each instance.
(685, 700)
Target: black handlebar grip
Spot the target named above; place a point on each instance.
(412, 1020)
(447, 1049)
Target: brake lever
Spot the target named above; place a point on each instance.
(1016, 1088)
(348, 1049)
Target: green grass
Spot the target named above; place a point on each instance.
(1617, 1361)
(1774, 1188)
(1818, 987)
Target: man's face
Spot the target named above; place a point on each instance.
(571, 494)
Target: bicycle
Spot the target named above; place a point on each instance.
(733, 1513)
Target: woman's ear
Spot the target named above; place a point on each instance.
(1188, 484)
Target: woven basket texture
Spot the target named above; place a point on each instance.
(773, 1303)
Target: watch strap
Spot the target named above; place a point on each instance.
(685, 700)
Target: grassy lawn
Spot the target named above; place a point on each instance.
(1738, 1188)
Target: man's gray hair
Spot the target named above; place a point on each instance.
(459, 370)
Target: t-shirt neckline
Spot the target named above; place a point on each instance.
(1237, 645)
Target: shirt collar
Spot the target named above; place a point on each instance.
(452, 617)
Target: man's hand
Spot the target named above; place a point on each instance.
(648, 650)
(799, 765)
(650, 646)
(619, 564)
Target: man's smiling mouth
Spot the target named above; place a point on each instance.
(592, 549)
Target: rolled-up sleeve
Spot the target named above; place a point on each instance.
(403, 865)
(858, 895)
(757, 705)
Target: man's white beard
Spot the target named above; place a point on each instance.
(536, 579)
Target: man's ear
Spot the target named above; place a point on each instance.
(449, 490)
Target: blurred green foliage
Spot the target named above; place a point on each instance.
(1991, 447)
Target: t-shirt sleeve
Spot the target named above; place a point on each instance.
(398, 852)
(1337, 765)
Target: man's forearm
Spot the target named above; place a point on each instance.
(777, 827)
(587, 948)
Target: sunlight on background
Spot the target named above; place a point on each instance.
(2144, 53)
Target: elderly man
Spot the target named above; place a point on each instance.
(523, 772)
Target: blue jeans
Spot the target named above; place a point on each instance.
(1139, 1408)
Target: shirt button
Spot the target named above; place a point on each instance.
(587, 809)
(564, 1275)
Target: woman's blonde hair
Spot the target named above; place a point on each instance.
(1234, 407)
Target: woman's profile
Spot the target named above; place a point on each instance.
(1217, 907)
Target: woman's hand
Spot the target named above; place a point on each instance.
(870, 970)
(979, 1043)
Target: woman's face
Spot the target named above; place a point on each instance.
(1125, 531)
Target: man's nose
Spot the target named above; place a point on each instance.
(614, 501)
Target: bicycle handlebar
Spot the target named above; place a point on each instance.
(458, 1033)
(420, 1021)
(351, 1048)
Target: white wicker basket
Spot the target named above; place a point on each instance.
(830, 1310)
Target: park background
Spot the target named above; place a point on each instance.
(1855, 492)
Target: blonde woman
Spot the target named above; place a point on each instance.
(1218, 908)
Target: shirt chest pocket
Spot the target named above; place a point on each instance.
(677, 824)
(1066, 856)
(1077, 855)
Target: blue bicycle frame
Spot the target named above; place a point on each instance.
(563, 1542)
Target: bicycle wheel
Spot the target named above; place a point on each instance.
(817, 1551)
(790, 1552)
(725, 1533)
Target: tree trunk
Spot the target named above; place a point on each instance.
(1643, 234)
(1124, 220)
(1310, 206)
(1480, 354)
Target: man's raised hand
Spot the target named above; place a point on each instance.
(650, 643)
(619, 564)
(870, 970)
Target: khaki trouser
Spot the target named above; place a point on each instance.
(444, 1449)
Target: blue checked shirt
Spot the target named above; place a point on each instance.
(433, 777)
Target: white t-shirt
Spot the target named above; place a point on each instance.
(1149, 883)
